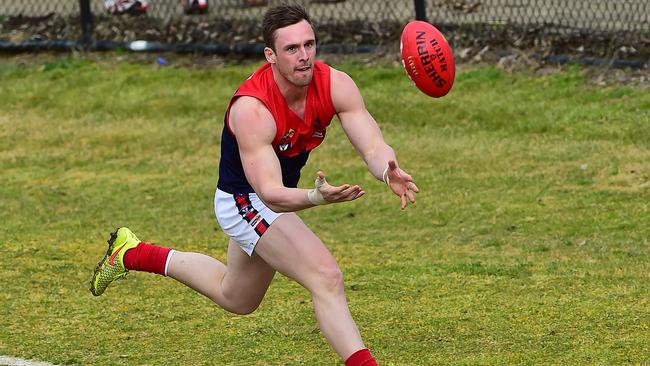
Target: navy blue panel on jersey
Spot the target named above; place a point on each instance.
(231, 173)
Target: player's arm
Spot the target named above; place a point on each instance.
(365, 135)
(254, 129)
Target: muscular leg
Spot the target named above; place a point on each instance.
(292, 249)
(238, 287)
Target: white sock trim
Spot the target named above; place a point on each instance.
(169, 258)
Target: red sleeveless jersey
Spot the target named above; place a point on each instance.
(294, 135)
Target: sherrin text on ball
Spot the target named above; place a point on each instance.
(427, 58)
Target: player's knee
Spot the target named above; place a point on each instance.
(246, 309)
(243, 308)
(330, 277)
(235, 302)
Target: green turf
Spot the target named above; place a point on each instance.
(528, 244)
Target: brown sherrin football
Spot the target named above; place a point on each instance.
(427, 58)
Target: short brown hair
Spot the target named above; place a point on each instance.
(279, 17)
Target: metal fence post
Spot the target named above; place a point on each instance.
(420, 10)
(86, 23)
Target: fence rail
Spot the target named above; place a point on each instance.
(343, 22)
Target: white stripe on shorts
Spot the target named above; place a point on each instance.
(243, 217)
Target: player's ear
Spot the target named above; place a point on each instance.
(270, 55)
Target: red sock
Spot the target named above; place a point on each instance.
(147, 257)
(361, 357)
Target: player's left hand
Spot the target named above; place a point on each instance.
(401, 183)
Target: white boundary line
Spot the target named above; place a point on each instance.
(12, 361)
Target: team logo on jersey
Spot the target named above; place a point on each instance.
(318, 134)
(285, 146)
(288, 135)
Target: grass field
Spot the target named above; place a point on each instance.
(528, 244)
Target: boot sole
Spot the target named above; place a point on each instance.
(109, 251)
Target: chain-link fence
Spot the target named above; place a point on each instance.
(602, 27)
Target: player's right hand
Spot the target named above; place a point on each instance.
(340, 193)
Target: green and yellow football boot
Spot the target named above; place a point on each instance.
(111, 267)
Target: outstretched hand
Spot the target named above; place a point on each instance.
(340, 193)
(400, 183)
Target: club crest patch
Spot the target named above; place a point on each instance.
(288, 135)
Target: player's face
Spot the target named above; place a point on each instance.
(295, 49)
